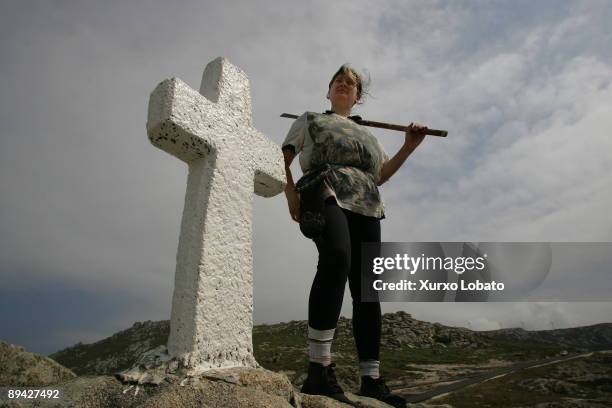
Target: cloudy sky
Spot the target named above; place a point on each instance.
(90, 211)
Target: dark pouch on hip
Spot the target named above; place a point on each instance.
(311, 188)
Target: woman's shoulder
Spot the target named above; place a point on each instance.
(306, 116)
(301, 121)
(309, 115)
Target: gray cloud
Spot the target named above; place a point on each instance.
(87, 202)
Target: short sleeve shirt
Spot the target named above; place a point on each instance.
(352, 153)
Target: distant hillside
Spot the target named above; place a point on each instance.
(587, 337)
(283, 347)
(116, 352)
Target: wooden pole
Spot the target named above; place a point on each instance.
(382, 125)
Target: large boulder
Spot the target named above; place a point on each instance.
(239, 387)
(20, 368)
(154, 382)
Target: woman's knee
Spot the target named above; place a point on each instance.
(336, 259)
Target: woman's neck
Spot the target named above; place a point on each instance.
(342, 111)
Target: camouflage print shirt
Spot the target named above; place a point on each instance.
(350, 156)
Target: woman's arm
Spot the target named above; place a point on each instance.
(293, 199)
(413, 139)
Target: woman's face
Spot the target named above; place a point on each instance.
(343, 90)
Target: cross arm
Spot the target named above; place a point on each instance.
(177, 120)
(269, 165)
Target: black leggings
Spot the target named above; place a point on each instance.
(339, 256)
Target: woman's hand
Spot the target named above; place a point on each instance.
(293, 200)
(415, 135)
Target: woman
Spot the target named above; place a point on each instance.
(347, 163)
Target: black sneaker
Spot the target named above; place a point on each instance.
(322, 380)
(377, 389)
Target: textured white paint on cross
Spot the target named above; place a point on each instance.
(211, 130)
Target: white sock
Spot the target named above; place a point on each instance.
(369, 368)
(319, 345)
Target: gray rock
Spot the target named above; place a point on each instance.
(244, 387)
(20, 368)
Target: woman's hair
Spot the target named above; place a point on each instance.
(363, 80)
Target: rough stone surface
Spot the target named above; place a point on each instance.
(234, 387)
(212, 131)
(154, 382)
(155, 379)
(19, 368)
(108, 392)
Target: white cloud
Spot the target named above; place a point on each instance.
(524, 91)
(547, 152)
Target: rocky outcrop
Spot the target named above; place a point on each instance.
(136, 354)
(247, 387)
(155, 382)
(399, 329)
(108, 392)
(116, 352)
(426, 353)
(120, 350)
(19, 368)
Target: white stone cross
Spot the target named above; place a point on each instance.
(212, 131)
